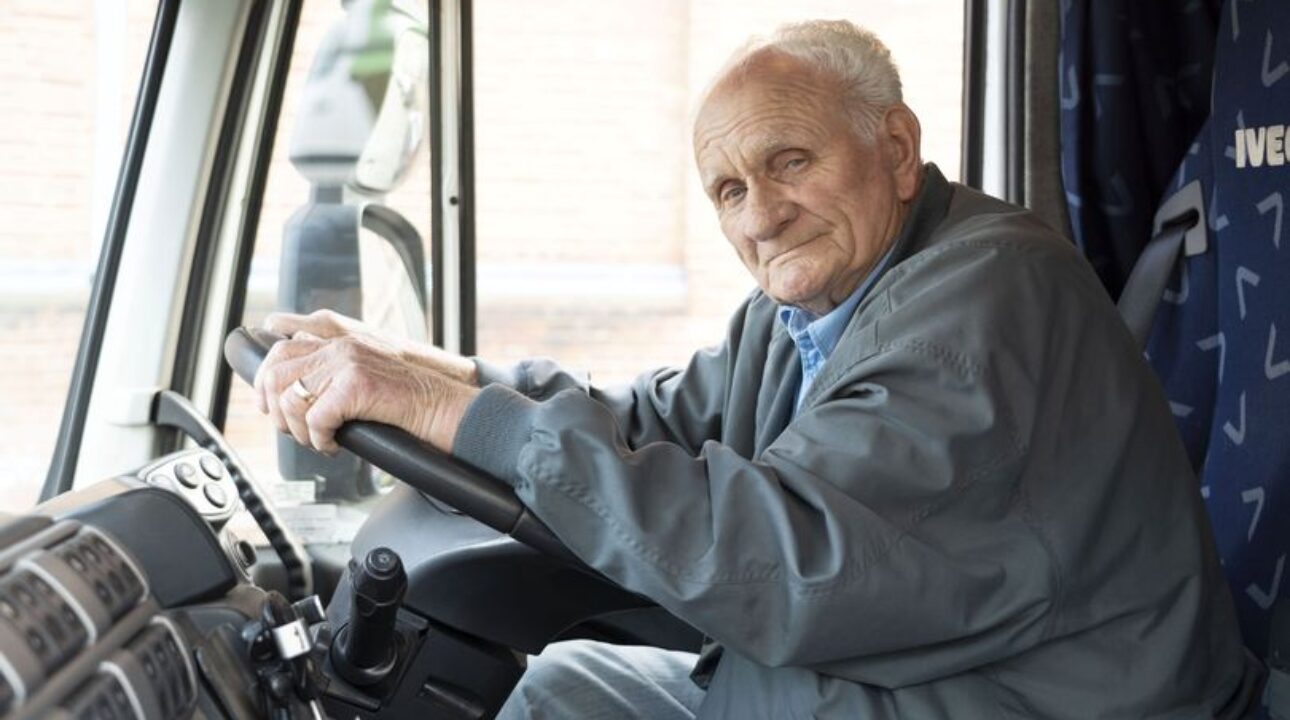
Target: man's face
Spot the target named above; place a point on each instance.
(808, 205)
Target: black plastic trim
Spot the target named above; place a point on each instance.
(974, 58)
(1015, 112)
(244, 252)
(466, 190)
(172, 529)
(214, 212)
(403, 238)
(436, 172)
(67, 448)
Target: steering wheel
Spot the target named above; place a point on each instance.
(394, 450)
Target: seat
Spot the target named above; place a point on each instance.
(1220, 340)
(1215, 341)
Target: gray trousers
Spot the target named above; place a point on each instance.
(585, 680)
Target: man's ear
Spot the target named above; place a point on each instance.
(902, 137)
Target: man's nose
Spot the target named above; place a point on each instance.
(767, 212)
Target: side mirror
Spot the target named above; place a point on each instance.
(362, 121)
(364, 261)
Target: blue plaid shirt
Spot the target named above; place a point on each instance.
(815, 337)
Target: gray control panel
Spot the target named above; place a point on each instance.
(201, 479)
(81, 636)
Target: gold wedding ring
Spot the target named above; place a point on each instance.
(302, 392)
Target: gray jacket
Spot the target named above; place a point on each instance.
(982, 509)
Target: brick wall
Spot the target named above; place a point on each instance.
(583, 118)
(52, 70)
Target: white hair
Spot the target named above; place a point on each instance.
(847, 53)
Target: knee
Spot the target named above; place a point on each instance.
(550, 680)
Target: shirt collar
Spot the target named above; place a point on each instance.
(824, 332)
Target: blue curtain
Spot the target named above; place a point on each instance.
(1135, 88)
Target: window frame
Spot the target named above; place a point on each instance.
(216, 214)
(62, 467)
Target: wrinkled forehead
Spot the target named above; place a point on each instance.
(764, 72)
(766, 103)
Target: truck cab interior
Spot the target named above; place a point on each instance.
(511, 179)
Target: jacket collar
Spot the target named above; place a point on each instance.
(925, 215)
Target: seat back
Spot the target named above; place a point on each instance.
(1221, 338)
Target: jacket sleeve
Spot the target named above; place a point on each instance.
(882, 537)
(676, 405)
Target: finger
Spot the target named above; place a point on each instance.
(295, 406)
(292, 409)
(325, 417)
(322, 323)
(273, 374)
(279, 379)
(284, 323)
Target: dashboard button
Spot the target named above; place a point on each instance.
(216, 495)
(211, 467)
(186, 474)
(55, 629)
(119, 698)
(37, 642)
(102, 546)
(43, 588)
(75, 562)
(8, 609)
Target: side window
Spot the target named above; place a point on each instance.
(345, 225)
(69, 74)
(595, 242)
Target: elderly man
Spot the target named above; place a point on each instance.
(926, 474)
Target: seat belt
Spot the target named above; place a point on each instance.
(1180, 219)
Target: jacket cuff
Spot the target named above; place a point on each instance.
(487, 373)
(496, 426)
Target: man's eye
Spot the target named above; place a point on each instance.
(795, 163)
(731, 192)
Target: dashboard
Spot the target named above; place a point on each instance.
(125, 600)
(131, 599)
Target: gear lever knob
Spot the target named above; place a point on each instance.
(365, 650)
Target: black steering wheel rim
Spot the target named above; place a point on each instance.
(472, 491)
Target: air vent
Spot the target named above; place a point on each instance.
(42, 618)
(114, 581)
(99, 699)
(166, 669)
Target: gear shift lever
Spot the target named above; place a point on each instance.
(366, 649)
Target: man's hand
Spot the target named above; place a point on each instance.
(329, 325)
(310, 385)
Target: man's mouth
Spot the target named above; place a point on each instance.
(791, 249)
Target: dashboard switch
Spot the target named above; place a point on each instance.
(212, 467)
(216, 495)
(186, 474)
